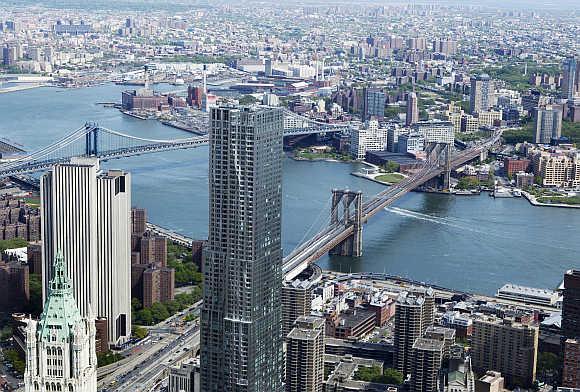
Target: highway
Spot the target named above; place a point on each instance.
(145, 375)
(165, 336)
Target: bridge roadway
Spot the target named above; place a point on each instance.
(44, 159)
(331, 236)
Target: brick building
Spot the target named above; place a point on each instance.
(151, 280)
(14, 279)
(18, 220)
(571, 369)
(512, 166)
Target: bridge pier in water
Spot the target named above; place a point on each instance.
(351, 203)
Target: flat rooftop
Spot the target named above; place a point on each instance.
(513, 289)
(428, 344)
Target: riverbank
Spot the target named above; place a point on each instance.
(534, 201)
(13, 89)
(380, 177)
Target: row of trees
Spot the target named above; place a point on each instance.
(163, 310)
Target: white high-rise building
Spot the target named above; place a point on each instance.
(69, 224)
(114, 253)
(435, 131)
(60, 347)
(86, 215)
(368, 138)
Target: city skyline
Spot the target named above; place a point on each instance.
(312, 196)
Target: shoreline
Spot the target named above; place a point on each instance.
(14, 89)
(533, 201)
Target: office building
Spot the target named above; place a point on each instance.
(427, 357)
(410, 143)
(393, 133)
(571, 78)
(548, 125)
(305, 355)
(69, 224)
(506, 346)
(185, 377)
(412, 109)
(369, 137)
(571, 305)
(373, 104)
(414, 313)
(571, 367)
(241, 319)
(491, 381)
(435, 131)
(355, 323)
(489, 118)
(481, 94)
(114, 253)
(86, 216)
(60, 347)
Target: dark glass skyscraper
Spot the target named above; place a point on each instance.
(241, 340)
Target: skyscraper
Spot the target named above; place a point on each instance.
(373, 103)
(69, 224)
(548, 125)
(570, 373)
(305, 355)
(114, 253)
(571, 78)
(506, 346)
(412, 109)
(241, 340)
(571, 305)
(482, 92)
(413, 315)
(86, 215)
(426, 364)
(60, 347)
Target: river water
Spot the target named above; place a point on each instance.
(474, 243)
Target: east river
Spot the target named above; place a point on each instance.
(469, 243)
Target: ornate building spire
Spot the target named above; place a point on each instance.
(60, 347)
